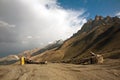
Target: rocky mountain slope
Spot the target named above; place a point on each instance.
(100, 35)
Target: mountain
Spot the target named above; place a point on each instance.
(100, 35)
(9, 59)
(28, 53)
(50, 46)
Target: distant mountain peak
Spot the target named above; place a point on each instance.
(98, 21)
(97, 18)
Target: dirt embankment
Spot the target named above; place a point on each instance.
(59, 71)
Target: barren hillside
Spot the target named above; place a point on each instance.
(100, 35)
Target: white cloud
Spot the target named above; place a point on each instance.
(29, 37)
(118, 14)
(50, 42)
(5, 24)
(53, 22)
(39, 21)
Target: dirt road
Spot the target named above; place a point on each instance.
(59, 71)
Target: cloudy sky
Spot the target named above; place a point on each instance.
(27, 24)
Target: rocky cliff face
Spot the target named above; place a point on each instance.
(100, 35)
